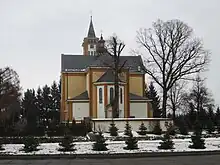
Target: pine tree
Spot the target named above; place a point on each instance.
(131, 142)
(142, 129)
(157, 130)
(217, 116)
(113, 129)
(30, 111)
(191, 115)
(197, 141)
(203, 118)
(127, 130)
(30, 144)
(171, 128)
(152, 95)
(183, 127)
(47, 103)
(210, 126)
(218, 126)
(67, 144)
(55, 101)
(100, 144)
(39, 105)
(211, 119)
(1, 143)
(167, 142)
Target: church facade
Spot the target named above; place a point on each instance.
(87, 83)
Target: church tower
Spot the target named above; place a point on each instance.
(90, 42)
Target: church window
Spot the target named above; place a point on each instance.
(111, 94)
(121, 96)
(100, 96)
(91, 46)
(91, 53)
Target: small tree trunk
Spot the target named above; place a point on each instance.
(164, 104)
(174, 111)
(115, 109)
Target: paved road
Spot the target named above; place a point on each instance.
(178, 160)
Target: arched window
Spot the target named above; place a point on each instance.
(100, 95)
(121, 96)
(111, 94)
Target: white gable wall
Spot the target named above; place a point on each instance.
(138, 109)
(80, 110)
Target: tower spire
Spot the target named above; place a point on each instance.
(91, 32)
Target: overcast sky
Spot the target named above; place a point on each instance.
(34, 33)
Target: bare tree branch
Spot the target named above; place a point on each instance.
(115, 48)
(173, 54)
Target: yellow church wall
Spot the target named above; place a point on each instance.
(136, 84)
(96, 74)
(76, 85)
(79, 82)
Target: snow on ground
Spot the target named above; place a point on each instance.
(113, 146)
(135, 134)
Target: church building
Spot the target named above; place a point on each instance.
(87, 83)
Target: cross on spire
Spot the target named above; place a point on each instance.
(91, 32)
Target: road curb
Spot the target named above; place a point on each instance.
(109, 156)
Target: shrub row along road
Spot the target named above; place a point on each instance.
(176, 160)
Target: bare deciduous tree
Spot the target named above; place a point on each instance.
(175, 96)
(173, 54)
(9, 87)
(199, 95)
(115, 48)
(9, 93)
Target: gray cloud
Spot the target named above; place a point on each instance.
(34, 33)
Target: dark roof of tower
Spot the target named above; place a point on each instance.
(91, 32)
(108, 76)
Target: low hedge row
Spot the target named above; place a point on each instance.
(19, 140)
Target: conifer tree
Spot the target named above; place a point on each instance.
(142, 129)
(197, 141)
(157, 129)
(167, 142)
(47, 102)
(210, 126)
(217, 116)
(1, 143)
(113, 129)
(127, 130)
(30, 144)
(218, 126)
(192, 114)
(211, 120)
(100, 144)
(152, 95)
(183, 127)
(67, 143)
(30, 111)
(39, 104)
(131, 142)
(55, 101)
(171, 128)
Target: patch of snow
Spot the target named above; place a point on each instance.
(113, 146)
